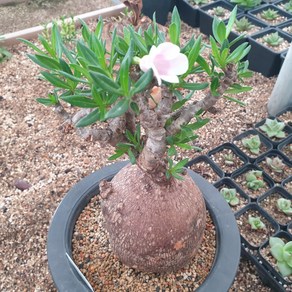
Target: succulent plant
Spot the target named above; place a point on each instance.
(254, 179)
(288, 6)
(256, 223)
(230, 196)
(273, 128)
(247, 3)
(284, 205)
(219, 11)
(282, 252)
(229, 159)
(275, 163)
(243, 24)
(253, 144)
(269, 14)
(273, 39)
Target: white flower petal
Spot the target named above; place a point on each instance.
(169, 50)
(145, 63)
(170, 78)
(179, 65)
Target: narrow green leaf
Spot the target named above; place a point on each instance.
(73, 78)
(214, 86)
(139, 41)
(47, 46)
(124, 76)
(194, 52)
(173, 34)
(234, 100)
(231, 21)
(135, 108)
(31, 45)
(99, 27)
(202, 62)
(80, 101)
(84, 30)
(89, 119)
(104, 82)
(56, 40)
(45, 61)
(118, 109)
(132, 156)
(57, 82)
(88, 55)
(142, 83)
(194, 86)
(45, 101)
(178, 104)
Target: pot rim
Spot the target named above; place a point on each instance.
(67, 276)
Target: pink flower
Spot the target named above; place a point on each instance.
(166, 61)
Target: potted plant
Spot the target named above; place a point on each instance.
(137, 89)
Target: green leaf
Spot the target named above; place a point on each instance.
(142, 83)
(284, 269)
(56, 40)
(194, 52)
(31, 45)
(99, 27)
(139, 41)
(104, 82)
(234, 100)
(47, 46)
(173, 34)
(178, 104)
(88, 55)
(45, 101)
(219, 30)
(89, 119)
(85, 31)
(118, 109)
(193, 86)
(80, 101)
(45, 62)
(135, 108)
(237, 88)
(202, 62)
(231, 21)
(124, 75)
(240, 52)
(57, 82)
(132, 156)
(73, 78)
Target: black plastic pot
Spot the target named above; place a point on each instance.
(263, 140)
(282, 193)
(275, 142)
(161, 9)
(246, 169)
(229, 183)
(188, 13)
(282, 146)
(236, 151)
(286, 236)
(286, 110)
(269, 63)
(285, 183)
(206, 19)
(256, 11)
(262, 214)
(67, 276)
(274, 153)
(284, 25)
(209, 164)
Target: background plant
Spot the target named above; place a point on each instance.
(229, 195)
(273, 39)
(243, 24)
(254, 180)
(145, 121)
(253, 144)
(273, 128)
(288, 6)
(256, 223)
(276, 164)
(247, 3)
(270, 14)
(284, 205)
(282, 252)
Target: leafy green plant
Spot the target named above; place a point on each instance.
(270, 14)
(219, 11)
(282, 252)
(254, 180)
(4, 54)
(288, 6)
(273, 128)
(273, 39)
(256, 223)
(253, 144)
(229, 159)
(229, 195)
(243, 24)
(68, 30)
(116, 85)
(275, 164)
(247, 3)
(284, 205)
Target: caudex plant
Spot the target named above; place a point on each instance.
(229, 195)
(282, 252)
(284, 205)
(131, 82)
(275, 164)
(256, 223)
(273, 128)
(252, 144)
(254, 180)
